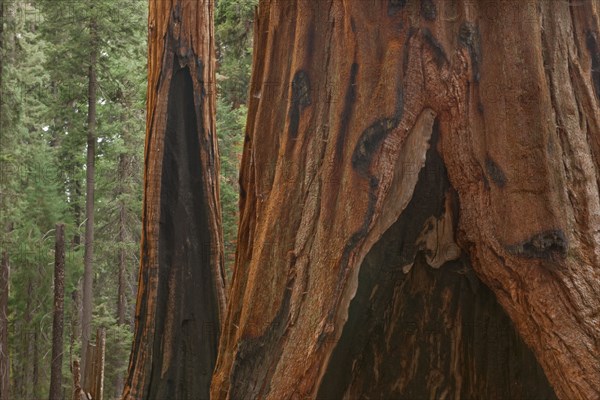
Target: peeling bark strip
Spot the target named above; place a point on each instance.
(181, 283)
(542, 245)
(470, 38)
(514, 125)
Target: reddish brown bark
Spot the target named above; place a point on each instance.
(181, 284)
(336, 183)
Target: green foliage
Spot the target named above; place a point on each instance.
(230, 128)
(42, 163)
(43, 117)
(233, 30)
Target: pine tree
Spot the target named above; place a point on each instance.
(233, 35)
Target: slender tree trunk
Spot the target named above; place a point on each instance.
(77, 214)
(4, 353)
(58, 320)
(99, 364)
(75, 323)
(88, 274)
(121, 296)
(181, 282)
(76, 380)
(26, 384)
(35, 362)
(430, 182)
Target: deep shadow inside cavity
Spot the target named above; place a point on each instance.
(430, 333)
(186, 338)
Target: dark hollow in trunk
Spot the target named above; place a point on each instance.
(429, 333)
(187, 303)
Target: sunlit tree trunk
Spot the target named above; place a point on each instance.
(181, 284)
(419, 203)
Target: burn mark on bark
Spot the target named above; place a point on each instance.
(397, 344)
(480, 108)
(594, 49)
(395, 6)
(427, 201)
(200, 78)
(495, 172)
(242, 189)
(187, 323)
(252, 366)
(428, 10)
(349, 101)
(435, 173)
(544, 245)
(486, 183)
(469, 37)
(438, 49)
(372, 137)
(300, 100)
(369, 142)
(352, 243)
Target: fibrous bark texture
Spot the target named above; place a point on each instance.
(419, 203)
(181, 284)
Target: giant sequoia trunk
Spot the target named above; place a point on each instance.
(420, 218)
(181, 284)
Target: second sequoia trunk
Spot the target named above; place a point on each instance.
(423, 209)
(181, 285)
